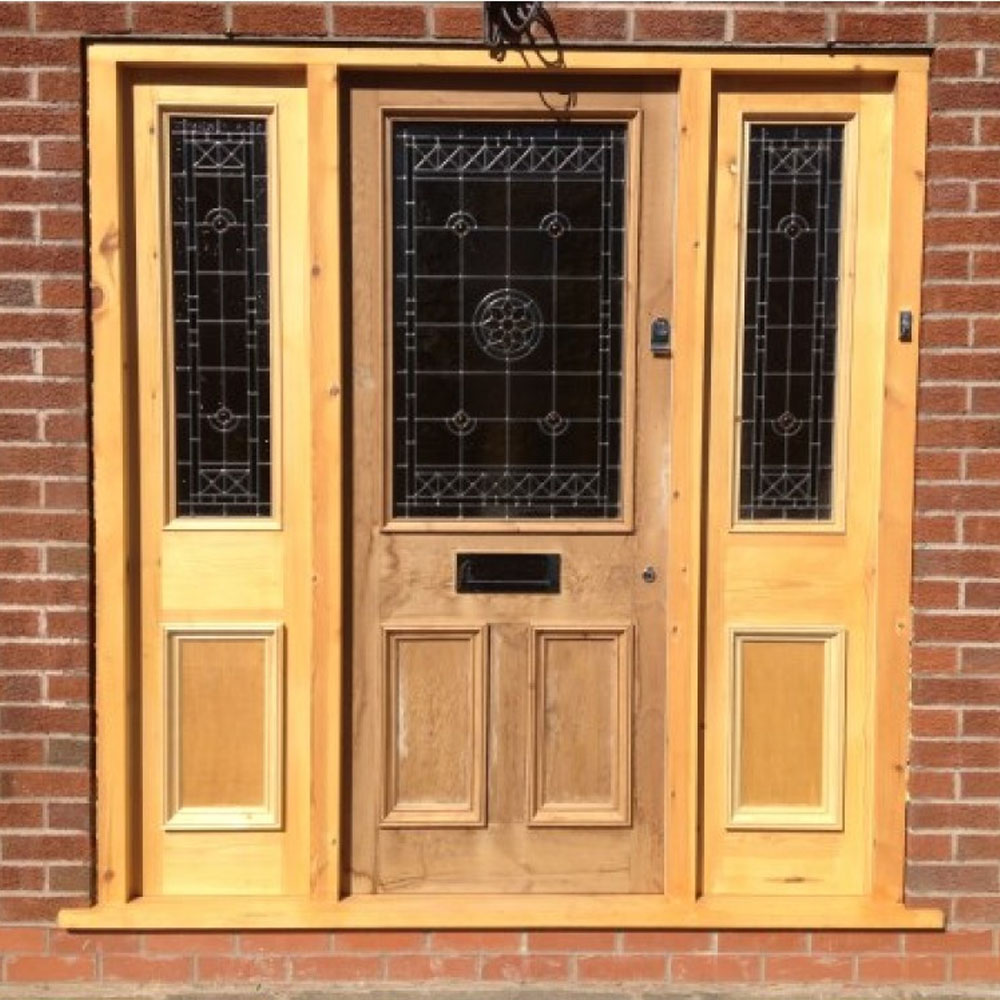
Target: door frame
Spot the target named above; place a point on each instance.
(112, 69)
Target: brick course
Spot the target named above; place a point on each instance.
(46, 719)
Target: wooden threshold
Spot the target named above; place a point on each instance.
(499, 911)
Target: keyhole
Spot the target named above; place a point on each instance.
(649, 574)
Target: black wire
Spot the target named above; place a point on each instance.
(527, 19)
(507, 23)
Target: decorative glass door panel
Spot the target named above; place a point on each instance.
(509, 545)
(508, 312)
(219, 190)
(791, 287)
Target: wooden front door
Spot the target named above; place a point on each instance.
(510, 456)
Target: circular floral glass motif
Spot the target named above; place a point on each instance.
(793, 226)
(555, 224)
(553, 424)
(461, 223)
(507, 324)
(220, 219)
(786, 424)
(223, 419)
(460, 423)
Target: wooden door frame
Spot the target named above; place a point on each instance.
(112, 69)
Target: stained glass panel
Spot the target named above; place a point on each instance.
(791, 280)
(221, 315)
(508, 258)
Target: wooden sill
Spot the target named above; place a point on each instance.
(499, 911)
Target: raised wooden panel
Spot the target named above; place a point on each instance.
(579, 760)
(787, 732)
(780, 695)
(434, 740)
(223, 703)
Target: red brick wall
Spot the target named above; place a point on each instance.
(46, 780)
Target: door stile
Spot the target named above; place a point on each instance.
(893, 621)
(685, 526)
(366, 302)
(656, 180)
(298, 491)
(149, 368)
(117, 625)
(327, 521)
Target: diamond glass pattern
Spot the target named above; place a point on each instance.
(508, 258)
(792, 275)
(221, 315)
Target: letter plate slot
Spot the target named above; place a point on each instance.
(507, 573)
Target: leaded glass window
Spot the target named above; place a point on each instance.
(791, 282)
(508, 259)
(221, 315)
